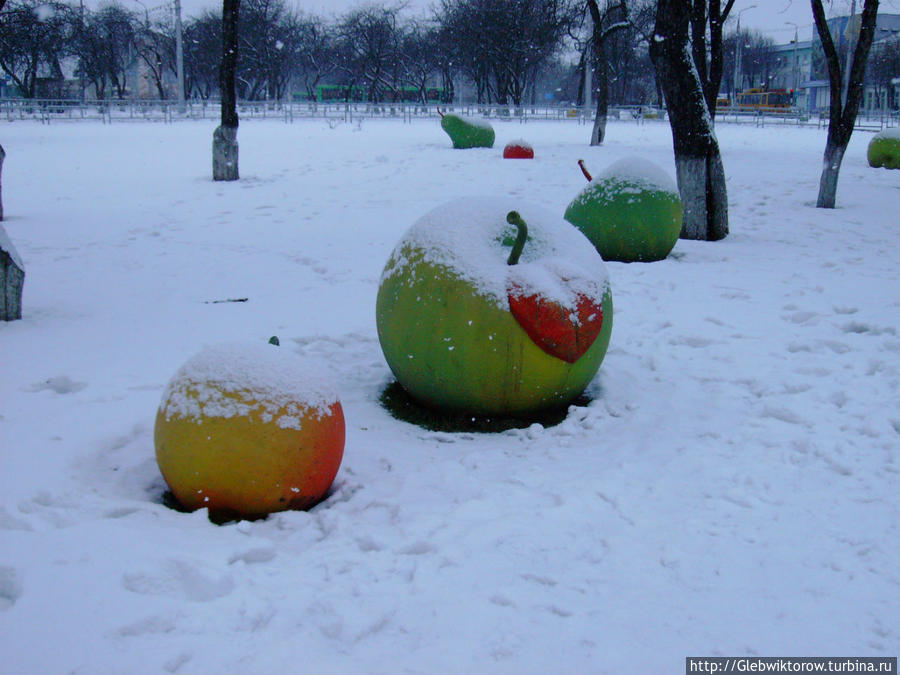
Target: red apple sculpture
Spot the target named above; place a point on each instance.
(518, 150)
(492, 307)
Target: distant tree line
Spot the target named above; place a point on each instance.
(503, 51)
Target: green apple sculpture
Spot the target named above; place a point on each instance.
(884, 149)
(490, 307)
(466, 132)
(631, 212)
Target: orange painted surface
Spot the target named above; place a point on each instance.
(248, 464)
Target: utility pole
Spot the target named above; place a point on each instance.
(795, 71)
(848, 34)
(588, 80)
(179, 56)
(81, 37)
(738, 53)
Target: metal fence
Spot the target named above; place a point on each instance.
(49, 111)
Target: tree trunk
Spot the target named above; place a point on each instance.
(698, 162)
(225, 153)
(12, 279)
(2, 157)
(843, 110)
(604, 25)
(225, 145)
(831, 167)
(701, 183)
(599, 131)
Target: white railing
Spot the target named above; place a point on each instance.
(112, 110)
(108, 111)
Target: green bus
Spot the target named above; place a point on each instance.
(339, 93)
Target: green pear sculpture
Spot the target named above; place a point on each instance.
(631, 212)
(466, 132)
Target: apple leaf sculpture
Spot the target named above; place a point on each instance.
(555, 328)
(245, 430)
(884, 149)
(488, 307)
(466, 132)
(632, 212)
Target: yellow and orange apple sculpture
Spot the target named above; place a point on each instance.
(245, 430)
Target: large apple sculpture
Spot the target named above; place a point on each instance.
(466, 132)
(491, 307)
(632, 212)
(246, 430)
(884, 149)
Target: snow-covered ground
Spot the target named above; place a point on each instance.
(732, 488)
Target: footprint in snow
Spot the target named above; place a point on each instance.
(10, 587)
(179, 578)
(60, 384)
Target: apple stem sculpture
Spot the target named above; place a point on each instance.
(513, 218)
(585, 171)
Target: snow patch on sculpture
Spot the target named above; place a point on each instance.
(279, 383)
(461, 236)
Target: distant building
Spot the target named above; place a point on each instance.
(793, 67)
(816, 89)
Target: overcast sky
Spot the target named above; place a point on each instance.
(768, 16)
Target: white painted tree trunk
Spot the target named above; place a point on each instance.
(599, 131)
(701, 183)
(12, 279)
(2, 157)
(225, 153)
(831, 168)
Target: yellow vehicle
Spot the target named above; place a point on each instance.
(760, 100)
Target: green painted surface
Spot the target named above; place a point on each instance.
(454, 349)
(626, 221)
(466, 134)
(884, 151)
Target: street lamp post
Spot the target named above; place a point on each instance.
(738, 52)
(795, 71)
(848, 35)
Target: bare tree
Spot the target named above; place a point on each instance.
(105, 47)
(368, 47)
(34, 36)
(605, 25)
(202, 54)
(844, 104)
(316, 52)
(420, 59)
(225, 145)
(270, 39)
(698, 162)
(155, 46)
(708, 20)
(500, 45)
